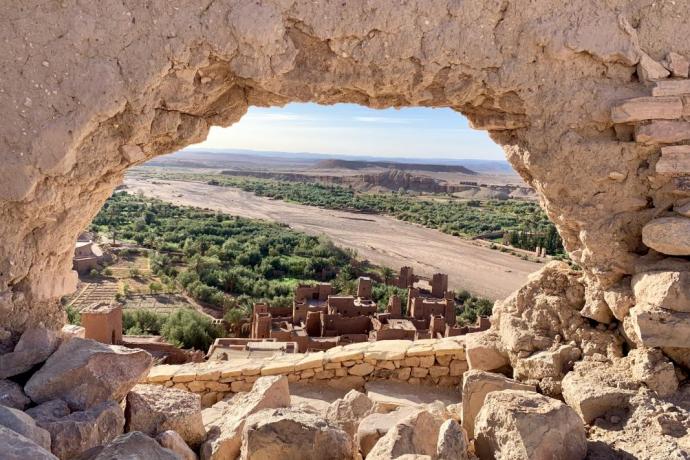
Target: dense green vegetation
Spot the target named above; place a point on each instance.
(522, 223)
(229, 263)
(182, 328)
(471, 307)
(211, 255)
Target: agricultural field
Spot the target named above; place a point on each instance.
(224, 263)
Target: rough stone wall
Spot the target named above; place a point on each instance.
(88, 89)
(426, 362)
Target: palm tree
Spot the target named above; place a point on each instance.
(234, 317)
(387, 274)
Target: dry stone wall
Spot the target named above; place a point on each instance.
(86, 95)
(425, 362)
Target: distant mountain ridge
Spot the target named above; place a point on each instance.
(358, 164)
(236, 158)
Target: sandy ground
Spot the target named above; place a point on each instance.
(380, 239)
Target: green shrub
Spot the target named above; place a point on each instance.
(189, 329)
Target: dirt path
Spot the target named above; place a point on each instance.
(383, 240)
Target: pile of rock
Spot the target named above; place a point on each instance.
(613, 375)
(61, 398)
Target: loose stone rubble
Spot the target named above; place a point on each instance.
(23, 424)
(76, 432)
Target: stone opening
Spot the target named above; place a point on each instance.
(86, 106)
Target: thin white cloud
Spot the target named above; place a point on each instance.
(389, 120)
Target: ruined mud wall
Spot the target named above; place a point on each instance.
(424, 362)
(88, 89)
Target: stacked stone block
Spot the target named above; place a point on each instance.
(426, 362)
(660, 120)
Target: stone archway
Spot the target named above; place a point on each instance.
(84, 96)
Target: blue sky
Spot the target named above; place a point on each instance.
(355, 130)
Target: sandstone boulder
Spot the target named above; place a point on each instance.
(677, 64)
(650, 427)
(679, 356)
(173, 441)
(79, 431)
(225, 420)
(663, 289)
(620, 299)
(484, 352)
(14, 446)
(49, 411)
(652, 368)
(84, 372)
(11, 395)
(291, 434)
(523, 424)
(153, 409)
(452, 442)
(668, 235)
(34, 346)
(414, 435)
(23, 424)
(596, 308)
(650, 70)
(595, 388)
(476, 385)
(658, 327)
(547, 367)
(346, 413)
(130, 446)
(374, 426)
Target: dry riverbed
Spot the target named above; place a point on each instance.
(380, 239)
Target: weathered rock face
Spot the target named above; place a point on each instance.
(23, 424)
(79, 431)
(225, 420)
(17, 447)
(293, 435)
(84, 372)
(117, 92)
(542, 332)
(475, 386)
(524, 424)
(414, 435)
(34, 346)
(374, 426)
(173, 441)
(651, 428)
(11, 395)
(132, 446)
(153, 409)
(452, 442)
(346, 413)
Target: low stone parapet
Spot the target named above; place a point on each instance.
(428, 362)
